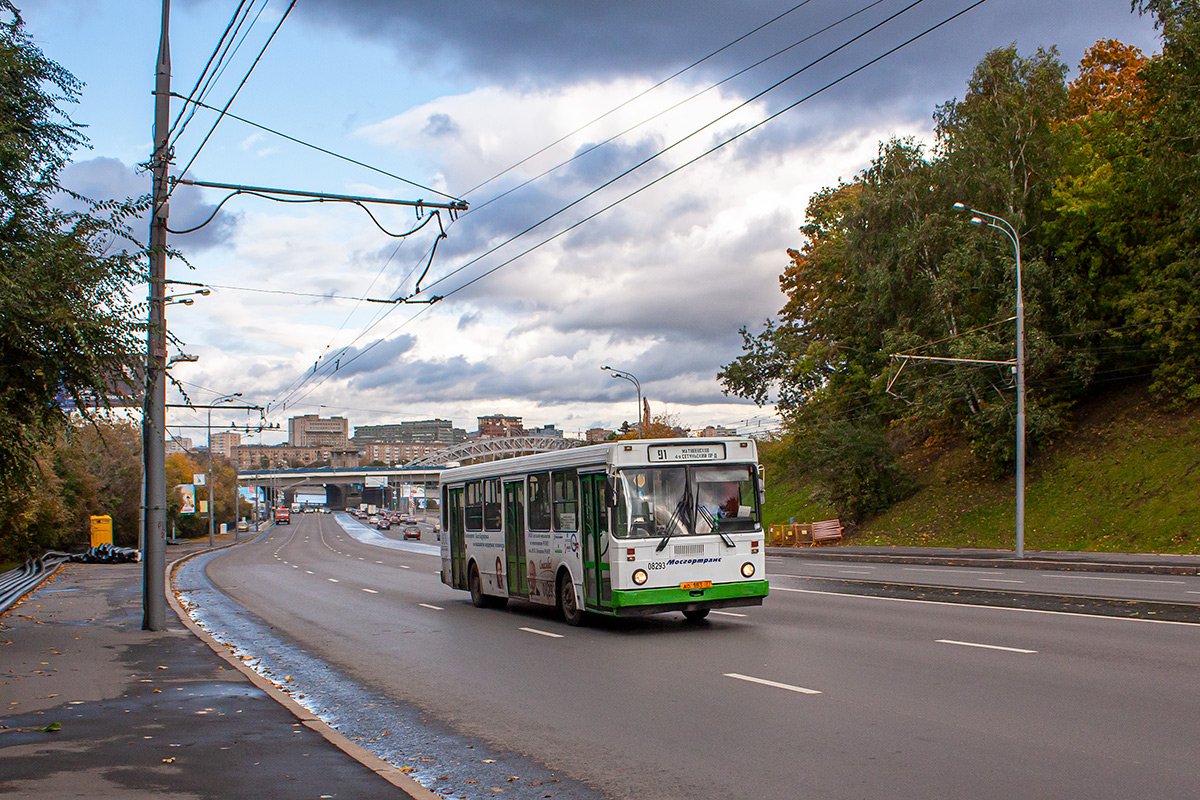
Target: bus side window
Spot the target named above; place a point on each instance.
(491, 505)
(538, 488)
(566, 500)
(474, 503)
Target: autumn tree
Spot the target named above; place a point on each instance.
(67, 326)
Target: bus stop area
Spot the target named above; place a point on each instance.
(93, 706)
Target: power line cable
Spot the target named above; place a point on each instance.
(233, 97)
(235, 19)
(691, 161)
(636, 97)
(669, 109)
(680, 141)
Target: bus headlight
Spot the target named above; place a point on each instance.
(640, 576)
(747, 570)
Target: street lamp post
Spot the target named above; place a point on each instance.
(999, 223)
(616, 373)
(211, 532)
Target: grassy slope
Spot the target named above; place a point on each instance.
(1126, 479)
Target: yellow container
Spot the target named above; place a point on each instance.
(101, 530)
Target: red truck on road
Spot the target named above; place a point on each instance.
(283, 516)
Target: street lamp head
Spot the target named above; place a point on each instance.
(976, 220)
(961, 207)
(606, 367)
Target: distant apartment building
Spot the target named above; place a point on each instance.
(550, 431)
(311, 430)
(392, 453)
(498, 426)
(427, 431)
(222, 443)
(178, 444)
(716, 430)
(281, 456)
(597, 435)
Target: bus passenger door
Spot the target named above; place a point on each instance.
(458, 543)
(597, 581)
(514, 538)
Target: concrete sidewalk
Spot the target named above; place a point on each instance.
(93, 706)
(1143, 563)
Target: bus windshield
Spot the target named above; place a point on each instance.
(682, 501)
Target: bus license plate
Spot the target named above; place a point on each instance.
(696, 585)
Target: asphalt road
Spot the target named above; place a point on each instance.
(814, 695)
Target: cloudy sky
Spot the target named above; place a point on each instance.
(616, 217)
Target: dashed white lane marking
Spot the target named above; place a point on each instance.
(333, 580)
(1102, 578)
(1191, 592)
(775, 684)
(855, 571)
(402, 566)
(427, 605)
(378, 562)
(728, 613)
(370, 591)
(998, 580)
(986, 646)
(547, 634)
(309, 571)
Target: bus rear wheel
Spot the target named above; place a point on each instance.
(478, 598)
(697, 615)
(568, 604)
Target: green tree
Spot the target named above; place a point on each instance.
(67, 327)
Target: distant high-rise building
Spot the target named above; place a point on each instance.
(428, 431)
(549, 430)
(312, 431)
(222, 443)
(178, 444)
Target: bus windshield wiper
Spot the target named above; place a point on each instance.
(714, 525)
(684, 502)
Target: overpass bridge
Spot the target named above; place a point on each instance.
(345, 487)
(350, 486)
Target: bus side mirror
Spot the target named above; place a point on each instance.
(762, 486)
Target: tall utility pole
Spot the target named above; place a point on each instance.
(154, 416)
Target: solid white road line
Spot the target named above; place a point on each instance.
(986, 646)
(728, 613)
(764, 682)
(989, 608)
(1101, 578)
(543, 633)
(427, 605)
(938, 569)
(370, 591)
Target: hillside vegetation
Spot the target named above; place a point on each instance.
(1127, 479)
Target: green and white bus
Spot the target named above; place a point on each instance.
(622, 528)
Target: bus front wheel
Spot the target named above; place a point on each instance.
(568, 604)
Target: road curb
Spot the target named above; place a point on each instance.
(1003, 598)
(384, 769)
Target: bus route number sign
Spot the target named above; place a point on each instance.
(687, 452)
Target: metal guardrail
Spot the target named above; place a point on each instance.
(16, 583)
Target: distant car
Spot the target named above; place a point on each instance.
(243, 525)
(372, 520)
(411, 531)
(383, 525)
